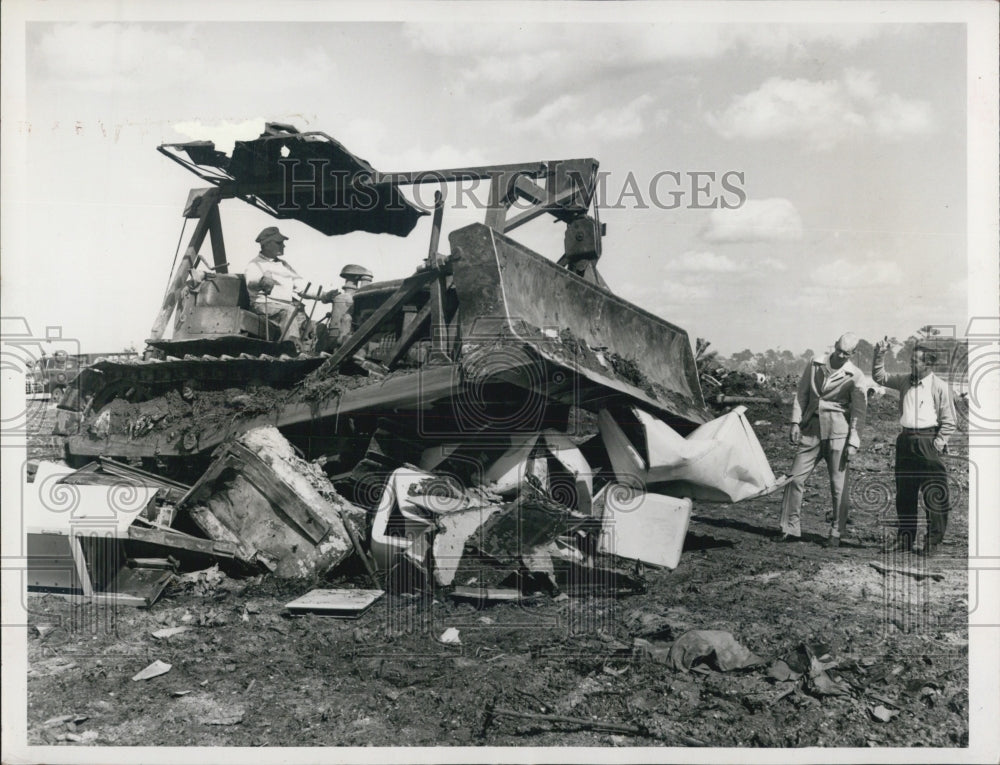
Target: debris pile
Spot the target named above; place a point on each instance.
(489, 518)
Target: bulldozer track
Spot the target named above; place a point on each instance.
(141, 380)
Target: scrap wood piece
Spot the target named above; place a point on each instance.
(105, 471)
(166, 537)
(906, 571)
(155, 669)
(347, 604)
(488, 594)
(216, 530)
(654, 731)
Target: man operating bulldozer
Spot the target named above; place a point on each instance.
(275, 287)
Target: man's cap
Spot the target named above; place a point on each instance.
(271, 233)
(353, 271)
(847, 342)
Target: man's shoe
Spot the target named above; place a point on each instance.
(928, 548)
(902, 543)
(831, 542)
(788, 538)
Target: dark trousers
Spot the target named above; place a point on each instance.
(920, 466)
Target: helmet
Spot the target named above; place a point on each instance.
(353, 271)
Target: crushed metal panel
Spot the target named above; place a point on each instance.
(51, 504)
(721, 461)
(642, 526)
(454, 530)
(308, 177)
(394, 534)
(75, 538)
(530, 521)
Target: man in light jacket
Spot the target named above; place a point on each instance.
(927, 417)
(827, 413)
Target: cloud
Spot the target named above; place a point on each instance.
(578, 122)
(699, 274)
(856, 281)
(868, 274)
(822, 114)
(548, 59)
(498, 52)
(799, 40)
(684, 293)
(166, 59)
(704, 262)
(532, 51)
(757, 220)
(120, 57)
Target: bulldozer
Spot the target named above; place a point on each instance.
(489, 336)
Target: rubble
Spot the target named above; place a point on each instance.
(77, 539)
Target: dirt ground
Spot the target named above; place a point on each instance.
(244, 674)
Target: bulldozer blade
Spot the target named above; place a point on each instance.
(510, 293)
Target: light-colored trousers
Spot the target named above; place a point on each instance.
(811, 450)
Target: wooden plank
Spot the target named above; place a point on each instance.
(907, 571)
(82, 574)
(182, 541)
(207, 522)
(410, 286)
(432, 250)
(439, 330)
(209, 201)
(283, 500)
(408, 336)
(218, 243)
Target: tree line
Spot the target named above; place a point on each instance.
(783, 362)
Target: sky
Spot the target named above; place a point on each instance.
(844, 146)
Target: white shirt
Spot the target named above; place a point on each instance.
(918, 406)
(285, 277)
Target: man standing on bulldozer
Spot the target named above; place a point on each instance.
(275, 288)
(341, 318)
